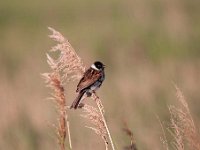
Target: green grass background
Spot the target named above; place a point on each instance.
(146, 45)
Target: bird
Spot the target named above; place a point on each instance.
(91, 80)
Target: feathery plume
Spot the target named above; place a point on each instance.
(68, 62)
(92, 114)
(53, 81)
(183, 124)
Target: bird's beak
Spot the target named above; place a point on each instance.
(104, 66)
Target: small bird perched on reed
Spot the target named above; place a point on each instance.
(92, 80)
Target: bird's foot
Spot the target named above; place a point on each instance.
(88, 94)
(81, 105)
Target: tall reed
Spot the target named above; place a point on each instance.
(182, 126)
(69, 67)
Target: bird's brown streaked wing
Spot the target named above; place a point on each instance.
(88, 79)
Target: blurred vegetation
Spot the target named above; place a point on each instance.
(146, 44)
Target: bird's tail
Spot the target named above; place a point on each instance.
(77, 100)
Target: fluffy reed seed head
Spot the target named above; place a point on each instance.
(68, 62)
(53, 81)
(67, 66)
(183, 125)
(92, 114)
(177, 131)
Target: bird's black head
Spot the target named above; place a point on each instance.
(99, 65)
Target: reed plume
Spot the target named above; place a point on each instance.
(66, 67)
(68, 62)
(54, 82)
(183, 125)
(93, 115)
